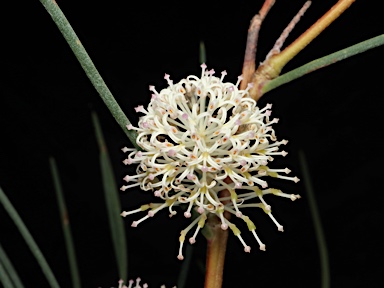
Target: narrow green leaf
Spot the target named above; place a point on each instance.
(9, 269)
(324, 62)
(89, 68)
(65, 225)
(321, 242)
(112, 202)
(4, 278)
(28, 239)
(202, 53)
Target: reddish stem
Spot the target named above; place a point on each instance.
(252, 38)
(216, 248)
(271, 68)
(218, 243)
(215, 254)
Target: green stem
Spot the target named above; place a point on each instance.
(323, 62)
(321, 242)
(278, 61)
(88, 66)
(28, 239)
(65, 225)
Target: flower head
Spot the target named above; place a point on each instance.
(135, 284)
(199, 137)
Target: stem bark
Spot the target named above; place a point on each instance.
(215, 255)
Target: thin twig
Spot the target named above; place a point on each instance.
(251, 46)
(271, 68)
(280, 60)
(279, 42)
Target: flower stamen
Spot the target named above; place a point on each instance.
(196, 135)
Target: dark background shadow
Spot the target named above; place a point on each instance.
(334, 115)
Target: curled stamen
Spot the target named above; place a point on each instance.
(196, 135)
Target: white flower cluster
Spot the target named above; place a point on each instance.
(132, 284)
(135, 284)
(207, 145)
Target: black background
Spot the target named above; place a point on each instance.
(334, 115)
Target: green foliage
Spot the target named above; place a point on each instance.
(323, 62)
(112, 202)
(65, 225)
(28, 239)
(8, 275)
